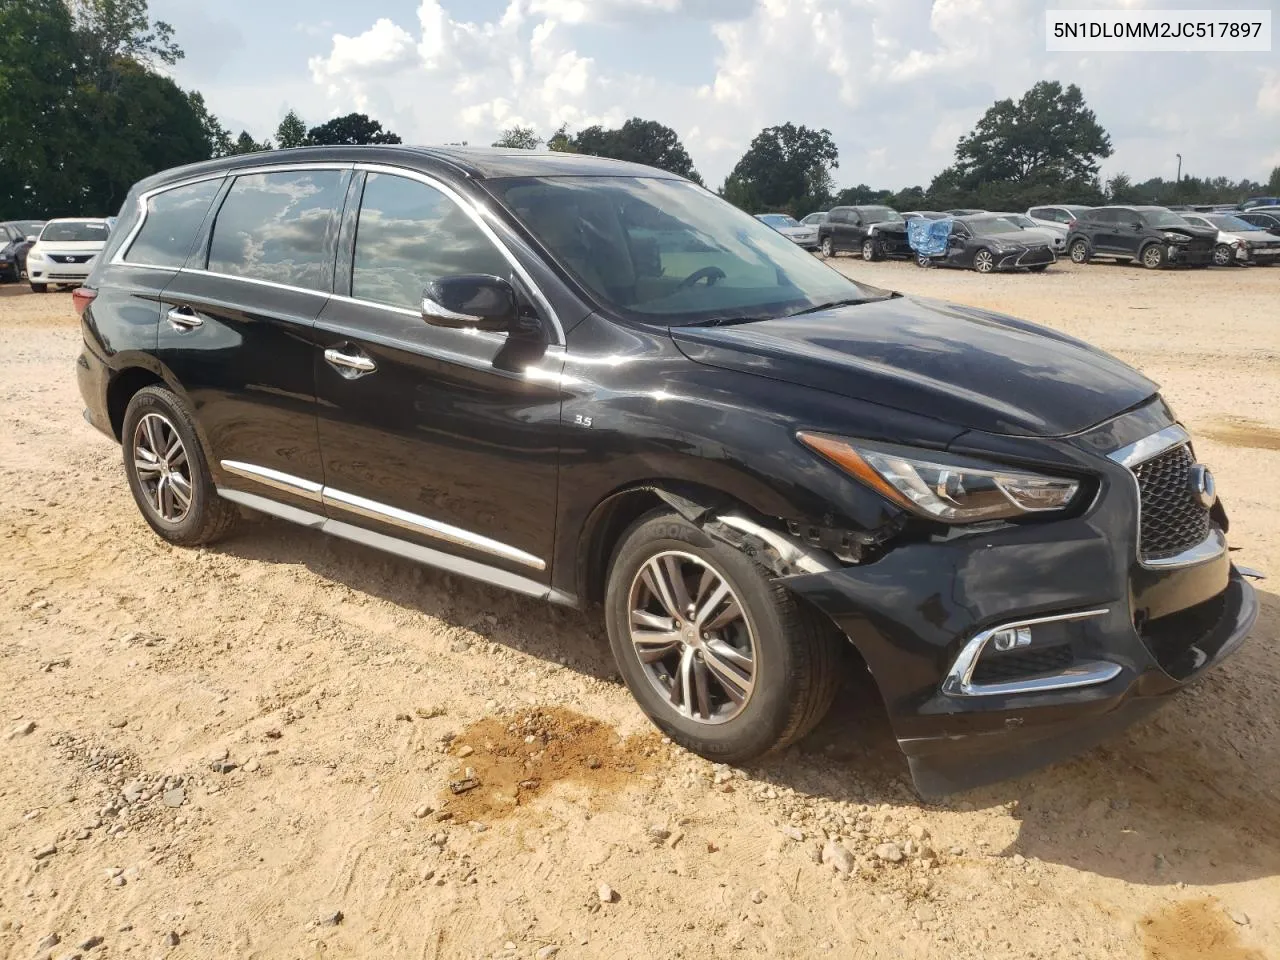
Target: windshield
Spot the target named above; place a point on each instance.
(1226, 222)
(989, 226)
(880, 215)
(1018, 220)
(670, 251)
(28, 228)
(1164, 218)
(778, 220)
(75, 231)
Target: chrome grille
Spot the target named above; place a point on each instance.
(1173, 519)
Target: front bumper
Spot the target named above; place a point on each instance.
(1134, 633)
(46, 271)
(1181, 254)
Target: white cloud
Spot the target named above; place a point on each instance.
(896, 81)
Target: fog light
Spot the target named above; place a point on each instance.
(1006, 640)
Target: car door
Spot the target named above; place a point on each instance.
(1130, 232)
(445, 439)
(1103, 227)
(960, 248)
(237, 328)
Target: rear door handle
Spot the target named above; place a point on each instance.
(350, 365)
(183, 318)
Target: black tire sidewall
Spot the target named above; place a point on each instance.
(764, 719)
(170, 406)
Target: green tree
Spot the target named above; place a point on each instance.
(519, 138)
(786, 168)
(1273, 184)
(561, 141)
(638, 141)
(292, 132)
(1048, 137)
(354, 128)
(112, 31)
(246, 144)
(1120, 189)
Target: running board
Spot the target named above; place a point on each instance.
(401, 548)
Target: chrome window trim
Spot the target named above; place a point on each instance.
(200, 271)
(959, 679)
(476, 213)
(372, 509)
(1138, 453)
(489, 335)
(143, 199)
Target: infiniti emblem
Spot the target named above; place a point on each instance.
(1202, 485)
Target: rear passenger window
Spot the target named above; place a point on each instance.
(172, 219)
(276, 226)
(409, 234)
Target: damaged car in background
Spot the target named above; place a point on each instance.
(765, 472)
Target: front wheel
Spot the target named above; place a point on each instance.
(723, 660)
(984, 261)
(870, 249)
(167, 471)
(923, 261)
(828, 248)
(1222, 256)
(39, 288)
(1153, 256)
(1080, 252)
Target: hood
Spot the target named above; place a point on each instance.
(1249, 236)
(961, 365)
(67, 246)
(889, 226)
(796, 231)
(1020, 237)
(1201, 233)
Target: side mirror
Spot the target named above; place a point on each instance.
(32, 239)
(478, 301)
(1137, 224)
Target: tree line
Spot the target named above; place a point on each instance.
(85, 113)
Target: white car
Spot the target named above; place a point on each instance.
(65, 251)
(800, 234)
(1053, 233)
(1238, 240)
(1062, 215)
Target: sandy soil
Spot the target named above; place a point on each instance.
(253, 750)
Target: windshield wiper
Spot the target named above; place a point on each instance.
(732, 321)
(855, 302)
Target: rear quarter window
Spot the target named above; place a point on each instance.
(172, 220)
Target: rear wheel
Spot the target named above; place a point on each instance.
(871, 249)
(167, 471)
(1153, 256)
(828, 248)
(984, 261)
(1080, 252)
(723, 660)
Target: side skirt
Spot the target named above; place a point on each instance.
(401, 548)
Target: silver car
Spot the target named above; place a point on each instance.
(800, 234)
(1052, 232)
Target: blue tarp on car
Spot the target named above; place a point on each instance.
(928, 237)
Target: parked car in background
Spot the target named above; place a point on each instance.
(873, 231)
(926, 214)
(1239, 242)
(963, 212)
(1055, 233)
(16, 238)
(800, 234)
(1253, 202)
(815, 219)
(1058, 215)
(990, 242)
(64, 253)
(1263, 218)
(750, 461)
(1156, 237)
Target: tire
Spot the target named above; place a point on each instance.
(922, 261)
(1080, 252)
(871, 250)
(984, 261)
(827, 248)
(39, 288)
(155, 417)
(1222, 256)
(1039, 268)
(1153, 257)
(795, 655)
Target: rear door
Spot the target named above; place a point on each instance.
(237, 327)
(1103, 227)
(445, 438)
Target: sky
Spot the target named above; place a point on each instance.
(897, 82)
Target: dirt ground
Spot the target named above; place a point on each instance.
(252, 750)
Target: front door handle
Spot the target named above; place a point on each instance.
(350, 365)
(184, 318)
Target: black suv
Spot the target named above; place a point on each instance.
(1154, 236)
(874, 232)
(594, 382)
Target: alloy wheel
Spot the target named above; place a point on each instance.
(983, 262)
(692, 637)
(1222, 255)
(868, 250)
(1151, 257)
(1079, 252)
(828, 248)
(163, 471)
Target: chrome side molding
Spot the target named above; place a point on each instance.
(1157, 443)
(372, 509)
(959, 679)
(1251, 573)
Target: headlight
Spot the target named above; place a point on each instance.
(35, 255)
(957, 492)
